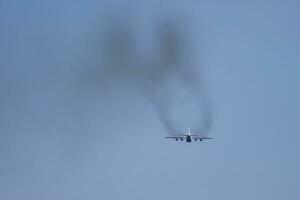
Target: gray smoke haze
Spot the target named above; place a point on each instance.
(162, 66)
(57, 78)
(63, 87)
(167, 74)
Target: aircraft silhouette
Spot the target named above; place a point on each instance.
(188, 137)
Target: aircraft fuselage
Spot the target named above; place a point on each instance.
(188, 138)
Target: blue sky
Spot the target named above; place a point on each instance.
(67, 134)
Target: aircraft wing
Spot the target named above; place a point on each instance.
(176, 137)
(201, 138)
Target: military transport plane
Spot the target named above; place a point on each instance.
(189, 137)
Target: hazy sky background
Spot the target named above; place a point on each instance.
(66, 132)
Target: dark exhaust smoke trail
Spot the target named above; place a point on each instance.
(169, 79)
